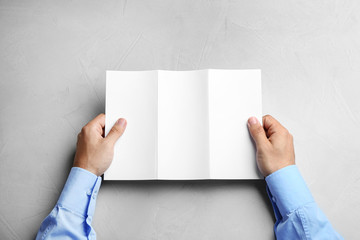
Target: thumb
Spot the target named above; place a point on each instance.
(257, 131)
(117, 130)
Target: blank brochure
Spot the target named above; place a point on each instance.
(183, 124)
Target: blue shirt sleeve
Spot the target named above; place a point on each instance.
(297, 214)
(72, 215)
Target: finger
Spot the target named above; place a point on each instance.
(117, 130)
(272, 126)
(257, 131)
(97, 123)
(98, 120)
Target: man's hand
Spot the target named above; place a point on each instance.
(94, 152)
(274, 144)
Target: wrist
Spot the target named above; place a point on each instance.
(278, 167)
(86, 167)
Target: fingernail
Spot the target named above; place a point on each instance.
(252, 121)
(121, 122)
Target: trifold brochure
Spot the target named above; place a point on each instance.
(183, 125)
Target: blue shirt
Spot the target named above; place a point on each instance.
(72, 215)
(297, 214)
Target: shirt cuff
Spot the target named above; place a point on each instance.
(288, 189)
(80, 192)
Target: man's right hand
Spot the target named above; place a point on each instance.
(274, 144)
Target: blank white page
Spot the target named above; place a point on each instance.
(133, 96)
(183, 120)
(234, 96)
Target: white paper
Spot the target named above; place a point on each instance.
(234, 96)
(183, 137)
(133, 95)
(183, 124)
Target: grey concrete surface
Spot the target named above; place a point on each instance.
(53, 57)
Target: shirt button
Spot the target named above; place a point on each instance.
(88, 192)
(273, 199)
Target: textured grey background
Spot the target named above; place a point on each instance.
(53, 57)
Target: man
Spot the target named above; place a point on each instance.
(297, 214)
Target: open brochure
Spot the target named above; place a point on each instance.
(183, 124)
